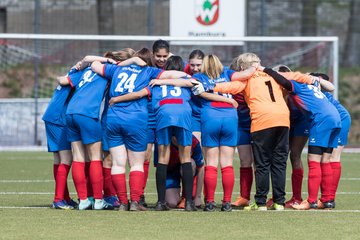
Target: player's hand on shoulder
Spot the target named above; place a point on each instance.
(154, 82)
(198, 88)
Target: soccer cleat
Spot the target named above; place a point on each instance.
(161, 206)
(292, 202)
(85, 204)
(142, 201)
(226, 207)
(135, 206)
(72, 203)
(113, 201)
(269, 203)
(101, 204)
(92, 200)
(210, 207)
(305, 205)
(255, 207)
(325, 205)
(277, 207)
(61, 205)
(181, 204)
(240, 202)
(190, 206)
(123, 207)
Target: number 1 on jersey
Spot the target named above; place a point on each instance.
(271, 92)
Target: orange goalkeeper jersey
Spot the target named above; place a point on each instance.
(265, 98)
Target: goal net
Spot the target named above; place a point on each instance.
(29, 64)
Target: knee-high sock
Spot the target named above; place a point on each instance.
(210, 180)
(187, 180)
(296, 182)
(246, 180)
(96, 178)
(228, 179)
(326, 182)
(61, 182)
(88, 182)
(78, 175)
(161, 170)
(109, 189)
(336, 168)
(314, 180)
(146, 175)
(119, 182)
(136, 180)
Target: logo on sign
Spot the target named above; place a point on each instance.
(207, 11)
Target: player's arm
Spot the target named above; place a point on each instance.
(87, 60)
(130, 96)
(230, 87)
(134, 60)
(173, 74)
(243, 75)
(299, 77)
(63, 80)
(279, 79)
(218, 98)
(180, 82)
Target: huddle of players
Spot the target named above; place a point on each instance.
(175, 114)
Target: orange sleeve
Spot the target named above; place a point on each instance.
(298, 77)
(230, 87)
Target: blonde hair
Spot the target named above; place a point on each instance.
(211, 66)
(120, 55)
(247, 60)
(234, 66)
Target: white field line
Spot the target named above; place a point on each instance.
(234, 210)
(152, 193)
(149, 180)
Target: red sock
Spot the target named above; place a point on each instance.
(96, 178)
(228, 180)
(60, 182)
(296, 182)
(136, 180)
(146, 175)
(336, 168)
(88, 182)
(314, 180)
(194, 187)
(246, 180)
(326, 182)
(55, 169)
(210, 179)
(78, 175)
(109, 189)
(119, 182)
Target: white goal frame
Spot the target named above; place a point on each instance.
(191, 40)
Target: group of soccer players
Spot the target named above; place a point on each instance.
(113, 110)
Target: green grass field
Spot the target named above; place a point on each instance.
(26, 193)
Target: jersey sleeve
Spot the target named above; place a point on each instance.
(74, 77)
(230, 87)
(298, 77)
(154, 73)
(229, 72)
(109, 70)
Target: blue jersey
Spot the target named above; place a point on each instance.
(243, 112)
(88, 95)
(152, 116)
(171, 105)
(195, 104)
(125, 80)
(216, 109)
(315, 105)
(344, 114)
(55, 112)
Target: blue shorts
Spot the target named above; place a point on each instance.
(183, 136)
(82, 128)
(56, 136)
(195, 124)
(104, 140)
(173, 180)
(151, 135)
(345, 128)
(243, 136)
(327, 138)
(299, 125)
(133, 134)
(216, 132)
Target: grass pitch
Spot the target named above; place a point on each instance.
(26, 193)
